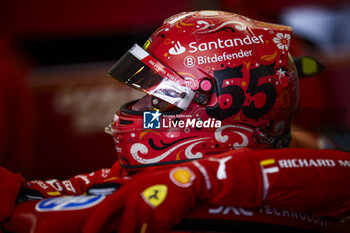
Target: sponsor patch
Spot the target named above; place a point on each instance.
(54, 193)
(267, 162)
(155, 195)
(68, 203)
(182, 176)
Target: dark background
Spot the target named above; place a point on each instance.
(55, 98)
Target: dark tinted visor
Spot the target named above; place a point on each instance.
(138, 69)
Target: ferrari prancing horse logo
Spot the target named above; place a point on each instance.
(155, 195)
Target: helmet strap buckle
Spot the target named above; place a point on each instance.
(263, 135)
(203, 93)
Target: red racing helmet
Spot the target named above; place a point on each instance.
(214, 81)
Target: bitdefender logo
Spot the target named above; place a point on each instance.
(151, 120)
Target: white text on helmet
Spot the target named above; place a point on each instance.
(225, 43)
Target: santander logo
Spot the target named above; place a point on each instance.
(177, 49)
(217, 44)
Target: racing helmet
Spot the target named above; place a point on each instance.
(214, 81)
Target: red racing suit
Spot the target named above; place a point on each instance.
(293, 187)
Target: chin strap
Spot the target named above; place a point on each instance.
(263, 135)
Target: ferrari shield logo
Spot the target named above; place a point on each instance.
(155, 195)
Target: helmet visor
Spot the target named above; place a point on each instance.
(140, 70)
